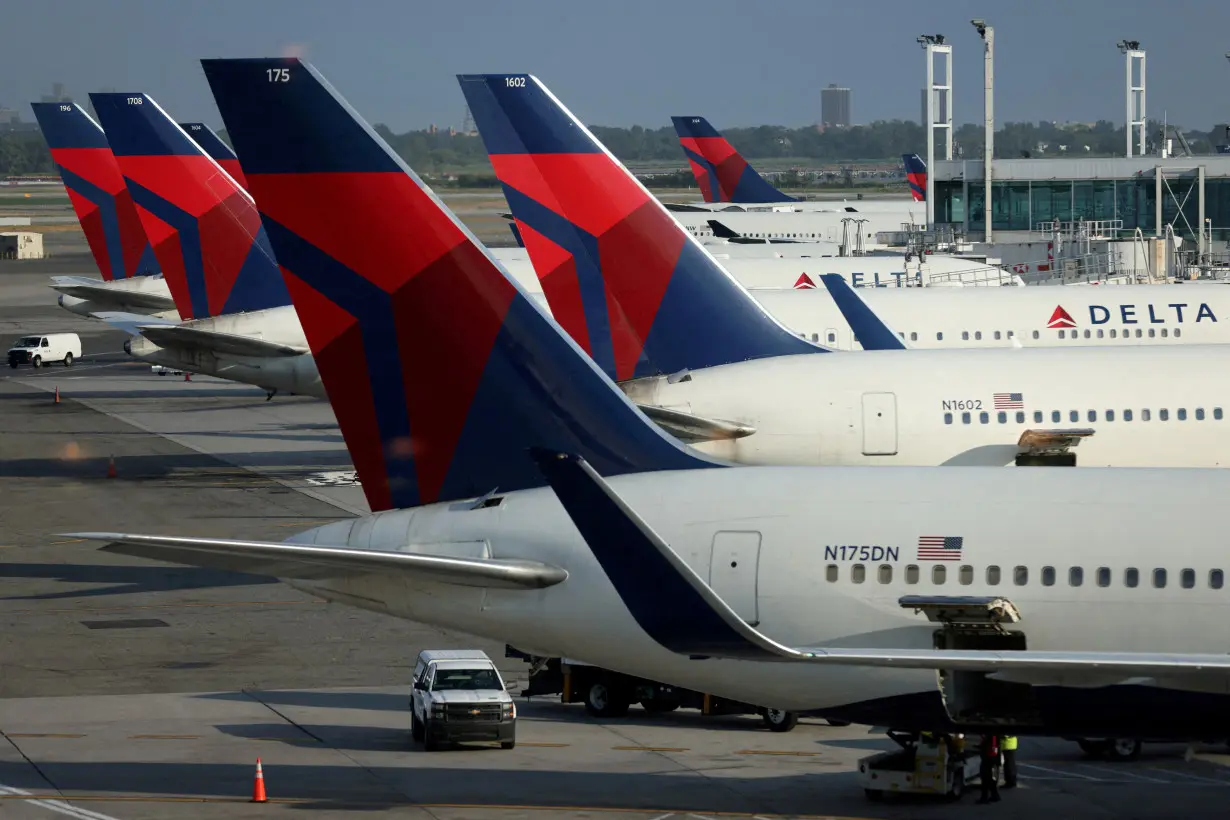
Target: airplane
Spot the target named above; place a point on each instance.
(725, 178)
(805, 589)
(916, 176)
(661, 317)
(213, 145)
(238, 322)
(129, 270)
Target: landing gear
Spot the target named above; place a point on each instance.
(779, 721)
(1119, 749)
(270, 394)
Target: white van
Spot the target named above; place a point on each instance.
(50, 347)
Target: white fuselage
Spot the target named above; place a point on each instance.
(822, 225)
(833, 560)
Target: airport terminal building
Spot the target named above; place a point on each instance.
(1146, 192)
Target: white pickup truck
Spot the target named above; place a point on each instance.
(459, 695)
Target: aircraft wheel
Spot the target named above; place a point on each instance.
(1123, 749)
(779, 721)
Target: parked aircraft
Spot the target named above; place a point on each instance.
(750, 583)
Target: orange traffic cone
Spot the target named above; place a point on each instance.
(258, 788)
(57, 394)
(111, 473)
(187, 376)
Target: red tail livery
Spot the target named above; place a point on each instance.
(218, 150)
(721, 172)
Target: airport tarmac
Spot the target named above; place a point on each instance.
(135, 690)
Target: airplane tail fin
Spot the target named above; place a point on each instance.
(203, 224)
(96, 189)
(721, 172)
(218, 150)
(723, 231)
(441, 370)
(628, 283)
(916, 176)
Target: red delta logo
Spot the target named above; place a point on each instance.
(804, 282)
(1061, 318)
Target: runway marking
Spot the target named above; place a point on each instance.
(767, 752)
(51, 804)
(1117, 772)
(544, 745)
(41, 734)
(649, 749)
(161, 606)
(1195, 777)
(1062, 774)
(164, 737)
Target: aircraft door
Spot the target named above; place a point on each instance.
(733, 571)
(879, 424)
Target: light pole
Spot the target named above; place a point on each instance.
(987, 33)
(1132, 52)
(936, 44)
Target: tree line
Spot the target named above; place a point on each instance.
(437, 154)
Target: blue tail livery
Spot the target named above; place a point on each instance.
(721, 172)
(916, 176)
(441, 370)
(628, 283)
(96, 189)
(213, 145)
(203, 225)
(869, 329)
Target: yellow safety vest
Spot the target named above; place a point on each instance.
(1009, 743)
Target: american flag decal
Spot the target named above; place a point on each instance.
(940, 547)
(1009, 401)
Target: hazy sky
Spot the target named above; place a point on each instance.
(638, 61)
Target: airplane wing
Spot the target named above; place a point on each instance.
(682, 613)
(99, 293)
(311, 562)
(692, 429)
(130, 323)
(192, 338)
(870, 330)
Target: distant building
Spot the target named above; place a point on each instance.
(9, 116)
(941, 108)
(57, 94)
(835, 107)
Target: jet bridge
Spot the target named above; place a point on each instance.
(977, 622)
(1050, 448)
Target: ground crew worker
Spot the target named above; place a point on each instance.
(988, 768)
(1009, 748)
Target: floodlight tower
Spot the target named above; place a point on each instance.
(936, 44)
(1136, 123)
(987, 33)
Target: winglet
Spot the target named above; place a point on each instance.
(628, 283)
(202, 223)
(870, 330)
(218, 150)
(96, 189)
(721, 172)
(441, 370)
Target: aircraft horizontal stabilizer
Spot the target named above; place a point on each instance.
(191, 338)
(681, 612)
(310, 562)
(693, 429)
(101, 293)
(870, 330)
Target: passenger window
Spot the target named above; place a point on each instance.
(1074, 415)
(984, 417)
(1035, 334)
(1164, 333)
(1113, 333)
(1109, 415)
(965, 335)
(913, 336)
(993, 576)
(1137, 333)
(1181, 414)
(948, 418)
(1076, 576)
(1187, 578)
(886, 573)
(1002, 417)
(1056, 416)
(1131, 577)
(1199, 414)
(1100, 333)
(939, 336)
(939, 573)
(832, 338)
(1061, 334)
(997, 335)
(1037, 417)
(1103, 576)
(830, 573)
(977, 335)
(1152, 333)
(1087, 334)
(858, 573)
(1178, 332)
(1048, 576)
(815, 337)
(1020, 418)
(1163, 414)
(1144, 415)
(1092, 415)
(1159, 578)
(1127, 415)
(1010, 334)
(1216, 579)
(1217, 414)
(911, 574)
(965, 418)
(966, 574)
(1020, 576)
